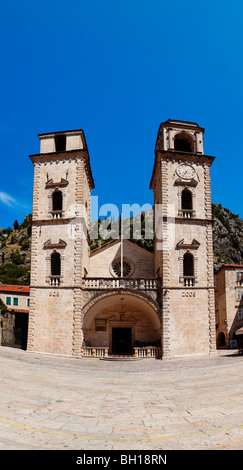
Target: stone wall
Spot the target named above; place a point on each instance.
(101, 260)
(189, 322)
(51, 328)
(13, 329)
(7, 323)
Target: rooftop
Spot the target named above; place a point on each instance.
(231, 266)
(10, 288)
(72, 131)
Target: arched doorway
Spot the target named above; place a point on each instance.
(122, 322)
(221, 341)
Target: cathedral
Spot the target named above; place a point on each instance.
(120, 299)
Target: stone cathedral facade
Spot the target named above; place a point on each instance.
(163, 305)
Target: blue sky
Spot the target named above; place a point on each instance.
(118, 69)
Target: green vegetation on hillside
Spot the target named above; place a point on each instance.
(129, 231)
(15, 253)
(15, 242)
(227, 237)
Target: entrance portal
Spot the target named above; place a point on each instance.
(121, 340)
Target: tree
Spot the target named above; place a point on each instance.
(3, 307)
(16, 225)
(16, 258)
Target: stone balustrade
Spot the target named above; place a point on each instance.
(94, 351)
(187, 213)
(189, 281)
(96, 283)
(55, 281)
(140, 352)
(147, 352)
(56, 214)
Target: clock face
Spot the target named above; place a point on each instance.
(185, 171)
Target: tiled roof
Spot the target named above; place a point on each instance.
(226, 266)
(15, 289)
(233, 266)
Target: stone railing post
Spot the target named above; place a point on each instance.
(93, 352)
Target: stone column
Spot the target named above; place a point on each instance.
(171, 146)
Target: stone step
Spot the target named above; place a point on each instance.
(120, 358)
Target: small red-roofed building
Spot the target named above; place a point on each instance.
(14, 322)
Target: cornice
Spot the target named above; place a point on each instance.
(61, 221)
(171, 155)
(186, 289)
(174, 123)
(67, 155)
(51, 184)
(192, 220)
(179, 155)
(194, 245)
(50, 155)
(49, 245)
(184, 182)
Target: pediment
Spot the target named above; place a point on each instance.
(194, 245)
(51, 184)
(186, 182)
(50, 245)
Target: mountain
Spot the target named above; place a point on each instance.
(138, 229)
(15, 253)
(15, 243)
(227, 237)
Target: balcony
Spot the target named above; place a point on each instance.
(97, 283)
(56, 214)
(189, 281)
(188, 213)
(55, 281)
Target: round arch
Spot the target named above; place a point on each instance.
(126, 299)
(183, 142)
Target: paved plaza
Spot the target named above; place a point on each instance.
(54, 402)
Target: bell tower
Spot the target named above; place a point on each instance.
(184, 244)
(60, 246)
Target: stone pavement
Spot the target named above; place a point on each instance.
(52, 402)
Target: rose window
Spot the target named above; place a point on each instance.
(127, 268)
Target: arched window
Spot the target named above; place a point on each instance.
(186, 200)
(183, 142)
(57, 201)
(55, 264)
(188, 265)
(188, 269)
